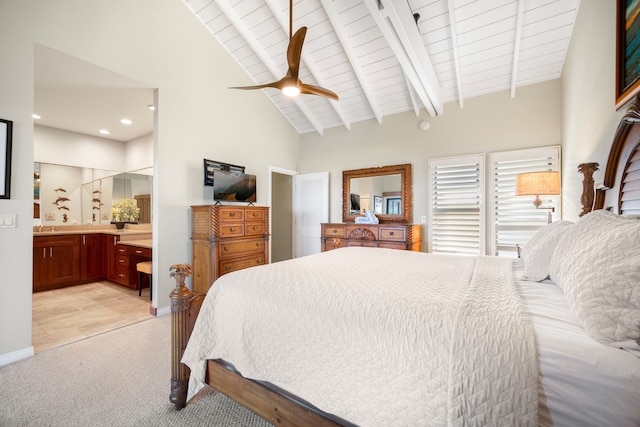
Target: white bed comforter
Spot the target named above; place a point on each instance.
(378, 337)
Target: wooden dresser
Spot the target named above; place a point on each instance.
(406, 237)
(225, 239)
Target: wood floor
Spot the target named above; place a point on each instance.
(62, 316)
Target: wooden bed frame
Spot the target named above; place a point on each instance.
(280, 410)
(273, 407)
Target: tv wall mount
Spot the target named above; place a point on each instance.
(210, 166)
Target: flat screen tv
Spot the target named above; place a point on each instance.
(355, 203)
(233, 186)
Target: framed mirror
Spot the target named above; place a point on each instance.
(386, 191)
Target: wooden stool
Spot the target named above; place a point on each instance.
(144, 268)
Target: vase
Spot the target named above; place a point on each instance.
(119, 225)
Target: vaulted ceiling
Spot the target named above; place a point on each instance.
(385, 57)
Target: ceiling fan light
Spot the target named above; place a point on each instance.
(291, 91)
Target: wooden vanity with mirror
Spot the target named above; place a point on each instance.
(386, 191)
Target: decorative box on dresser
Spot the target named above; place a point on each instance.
(227, 238)
(407, 237)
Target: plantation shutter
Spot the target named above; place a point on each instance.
(514, 219)
(456, 187)
(631, 185)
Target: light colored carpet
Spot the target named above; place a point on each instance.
(119, 378)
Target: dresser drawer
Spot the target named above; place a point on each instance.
(335, 230)
(141, 252)
(227, 266)
(365, 243)
(122, 274)
(254, 214)
(330, 244)
(232, 248)
(389, 233)
(254, 229)
(390, 245)
(232, 230)
(122, 260)
(231, 214)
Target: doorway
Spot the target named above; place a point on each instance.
(73, 100)
(281, 200)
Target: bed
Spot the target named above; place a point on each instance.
(368, 336)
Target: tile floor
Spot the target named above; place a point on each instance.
(62, 316)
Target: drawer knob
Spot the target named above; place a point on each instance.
(232, 214)
(335, 231)
(258, 261)
(225, 248)
(255, 214)
(258, 244)
(391, 233)
(227, 268)
(232, 229)
(255, 228)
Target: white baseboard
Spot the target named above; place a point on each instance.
(14, 356)
(163, 311)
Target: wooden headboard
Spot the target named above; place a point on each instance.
(620, 192)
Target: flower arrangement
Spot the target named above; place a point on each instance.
(125, 210)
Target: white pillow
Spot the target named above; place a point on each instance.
(597, 264)
(538, 251)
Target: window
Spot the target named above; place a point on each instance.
(458, 209)
(514, 219)
(456, 204)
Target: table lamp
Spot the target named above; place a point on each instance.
(537, 184)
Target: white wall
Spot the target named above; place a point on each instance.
(160, 43)
(488, 123)
(61, 147)
(588, 85)
(139, 153)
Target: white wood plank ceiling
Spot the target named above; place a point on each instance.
(381, 59)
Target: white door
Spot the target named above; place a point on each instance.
(310, 209)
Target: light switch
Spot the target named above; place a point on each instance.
(7, 221)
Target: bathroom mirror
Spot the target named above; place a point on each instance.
(69, 195)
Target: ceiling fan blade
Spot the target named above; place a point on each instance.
(294, 51)
(262, 86)
(317, 90)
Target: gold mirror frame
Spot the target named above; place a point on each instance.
(405, 178)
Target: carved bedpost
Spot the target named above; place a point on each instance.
(588, 189)
(180, 299)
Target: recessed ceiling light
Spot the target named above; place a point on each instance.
(104, 132)
(151, 107)
(126, 121)
(35, 116)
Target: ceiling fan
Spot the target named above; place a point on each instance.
(290, 84)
